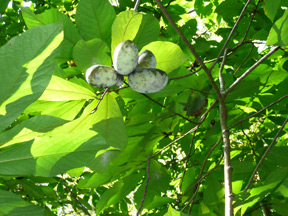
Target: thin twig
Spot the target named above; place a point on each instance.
(75, 198)
(263, 109)
(186, 75)
(100, 99)
(231, 33)
(265, 154)
(253, 67)
(202, 118)
(187, 157)
(146, 185)
(136, 5)
(244, 60)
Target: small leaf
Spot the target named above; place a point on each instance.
(173, 212)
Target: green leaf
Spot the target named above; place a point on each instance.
(3, 5)
(110, 122)
(169, 56)
(149, 31)
(71, 35)
(69, 146)
(271, 7)
(62, 90)
(14, 205)
(88, 53)
(125, 27)
(67, 110)
(173, 212)
(119, 190)
(29, 129)
(94, 19)
(28, 58)
(278, 33)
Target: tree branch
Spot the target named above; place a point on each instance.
(263, 109)
(231, 33)
(100, 99)
(265, 154)
(246, 73)
(146, 186)
(75, 198)
(136, 5)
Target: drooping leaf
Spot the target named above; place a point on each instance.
(94, 19)
(12, 204)
(125, 27)
(29, 60)
(169, 56)
(71, 35)
(88, 53)
(278, 33)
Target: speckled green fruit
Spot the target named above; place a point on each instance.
(146, 60)
(147, 80)
(125, 57)
(101, 76)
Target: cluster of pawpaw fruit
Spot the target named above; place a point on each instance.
(141, 70)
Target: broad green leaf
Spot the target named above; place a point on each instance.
(13, 205)
(94, 19)
(119, 190)
(63, 90)
(92, 52)
(3, 5)
(110, 122)
(29, 129)
(28, 58)
(278, 33)
(67, 110)
(173, 212)
(214, 193)
(169, 56)
(229, 9)
(271, 7)
(125, 27)
(71, 35)
(102, 161)
(149, 31)
(72, 145)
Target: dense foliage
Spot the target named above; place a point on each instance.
(67, 148)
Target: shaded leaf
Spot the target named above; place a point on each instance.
(278, 33)
(71, 35)
(94, 19)
(14, 205)
(92, 52)
(28, 59)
